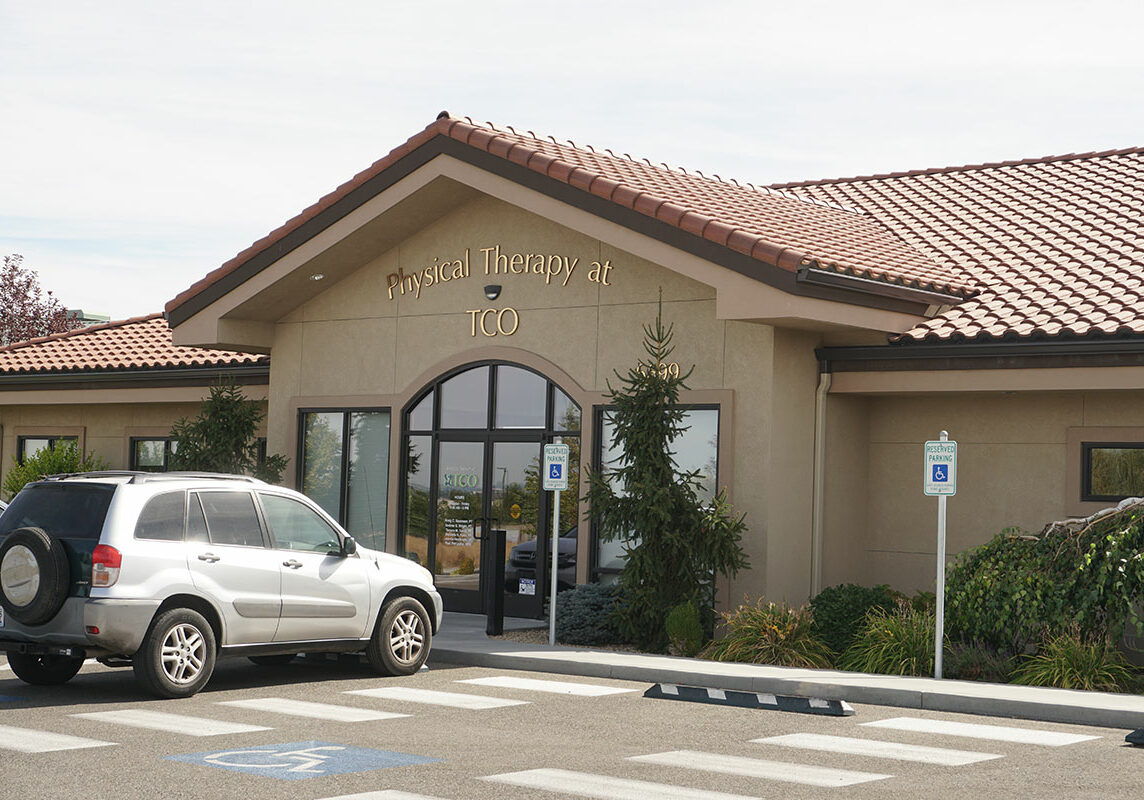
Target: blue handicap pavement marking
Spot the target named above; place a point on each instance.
(300, 760)
(10, 698)
(940, 473)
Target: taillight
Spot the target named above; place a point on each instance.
(105, 564)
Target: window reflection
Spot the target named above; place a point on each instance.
(465, 400)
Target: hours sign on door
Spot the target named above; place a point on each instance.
(940, 468)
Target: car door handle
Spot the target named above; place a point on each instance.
(209, 557)
(292, 564)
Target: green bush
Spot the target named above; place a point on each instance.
(896, 642)
(63, 458)
(840, 610)
(684, 630)
(770, 633)
(1071, 660)
(587, 615)
(1013, 591)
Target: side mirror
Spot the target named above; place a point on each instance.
(349, 546)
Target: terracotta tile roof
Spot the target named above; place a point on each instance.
(778, 228)
(1056, 244)
(132, 344)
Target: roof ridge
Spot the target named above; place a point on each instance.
(963, 168)
(119, 323)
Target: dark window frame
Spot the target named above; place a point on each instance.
(52, 441)
(134, 455)
(1086, 494)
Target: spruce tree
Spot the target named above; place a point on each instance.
(674, 546)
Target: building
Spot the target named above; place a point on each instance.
(465, 299)
(115, 388)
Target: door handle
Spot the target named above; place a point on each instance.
(209, 557)
(292, 564)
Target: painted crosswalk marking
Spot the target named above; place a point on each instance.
(555, 687)
(878, 749)
(304, 708)
(758, 768)
(585, 784)
(170, 723)
(25, 740)
(1000, 733)
(451, 699)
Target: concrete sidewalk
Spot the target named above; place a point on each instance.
(462, 640)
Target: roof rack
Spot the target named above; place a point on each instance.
(138, 476)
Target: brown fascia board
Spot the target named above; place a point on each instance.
(779, 271)
(941, 356)
(243, 374)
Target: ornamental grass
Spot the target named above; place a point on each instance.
(769, 633)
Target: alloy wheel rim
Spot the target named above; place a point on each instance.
(407, 637)
(183, 654)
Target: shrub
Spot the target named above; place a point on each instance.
(977, 662)
(1071, 660)
(840, 610)
(467, 566)
(770, 633)
(587, 615)
(1017, 589)
(896, 642)
(684, 630)
(63, 458)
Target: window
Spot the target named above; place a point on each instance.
(345, 468)
(1112, 471)
(152, 454)
(27, 446)
(293, 526)
(231, 518)
(695, 450)
(162, 518)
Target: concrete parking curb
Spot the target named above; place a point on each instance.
(467, 645)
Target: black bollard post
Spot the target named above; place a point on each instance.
(493, 572)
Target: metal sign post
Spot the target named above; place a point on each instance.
(556, 481)
(939, 478)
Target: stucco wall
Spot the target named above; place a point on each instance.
(363, 342)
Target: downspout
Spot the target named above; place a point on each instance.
(816, 524)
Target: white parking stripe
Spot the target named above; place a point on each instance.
(384, 794)
(758, 768)
(24, 740)
(170, 723)
(555, 687)
(451, 699)
(304, 708)
(1000, 733)
(877, 749)
(585, 784)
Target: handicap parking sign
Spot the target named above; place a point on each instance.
(940, 473)
(295, 761)
(940, 476)
(555, 468)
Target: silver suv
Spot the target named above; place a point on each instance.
(167, 572)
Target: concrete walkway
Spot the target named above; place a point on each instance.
(462, 640)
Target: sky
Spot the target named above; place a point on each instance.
(143, 144)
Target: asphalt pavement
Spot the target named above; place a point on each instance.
(462, 640)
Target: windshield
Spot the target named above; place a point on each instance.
(65, 510)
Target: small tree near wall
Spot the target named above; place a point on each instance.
(674, 544)
(223, 438)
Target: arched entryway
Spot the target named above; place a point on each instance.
(472, 443)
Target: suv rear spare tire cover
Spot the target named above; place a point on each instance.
(34, 575)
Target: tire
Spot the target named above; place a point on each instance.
(177, 656)
(34, 575)
(44, 670)
(400, 642)
(273, 661)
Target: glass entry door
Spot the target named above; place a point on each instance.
(473, 447)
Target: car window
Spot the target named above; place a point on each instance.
(231, 518)
(295, 526)
(162, 518)
(196, 522)
(66, 510)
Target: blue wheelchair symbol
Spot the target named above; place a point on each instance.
(941, 473)
(554, 471)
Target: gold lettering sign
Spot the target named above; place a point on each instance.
(493, 321)
(670, 368)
